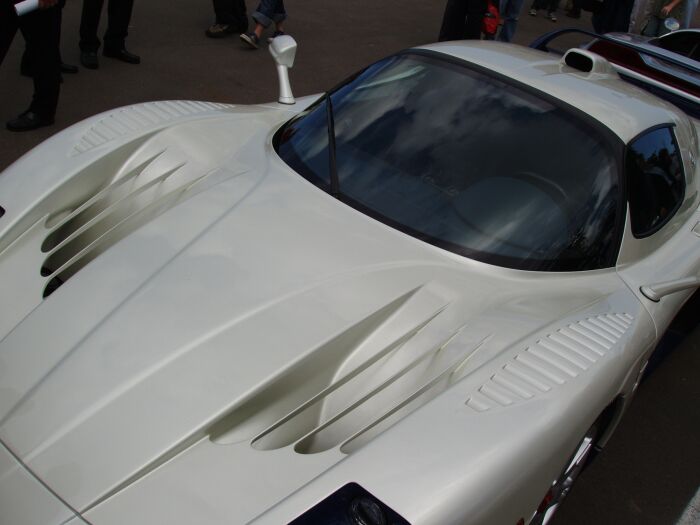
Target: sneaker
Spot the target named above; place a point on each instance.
(552, 17)
(220, 30)
(532, 12)
(275, 35)
(251, 39)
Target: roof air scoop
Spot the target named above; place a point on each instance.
(283, 49)
(587, 62)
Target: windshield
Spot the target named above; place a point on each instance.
(464, 161)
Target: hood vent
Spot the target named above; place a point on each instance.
(133, 119)
(78, 236)
(552, 361)
(355, 386)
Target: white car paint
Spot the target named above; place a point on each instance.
(189, 369)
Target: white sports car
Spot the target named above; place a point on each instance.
(425, 297)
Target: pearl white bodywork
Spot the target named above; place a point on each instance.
(231, 344)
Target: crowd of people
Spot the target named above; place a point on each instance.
(463, 19)
(41, 30)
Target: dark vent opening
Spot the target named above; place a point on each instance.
(579, 61)
(2, 211)
(52, 286)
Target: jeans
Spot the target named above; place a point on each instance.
(688, 10)
(269, 11)
(510, 10)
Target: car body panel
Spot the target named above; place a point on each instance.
(229, 343)
(24, 500)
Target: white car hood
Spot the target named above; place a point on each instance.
(200, 328)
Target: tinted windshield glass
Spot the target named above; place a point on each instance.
(464, 161)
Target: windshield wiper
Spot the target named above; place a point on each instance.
(335, 184)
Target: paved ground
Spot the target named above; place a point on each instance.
(649, 474)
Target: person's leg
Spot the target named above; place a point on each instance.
(89, 20)
(510, 11)
(223, 10)
(264, 16)
(280, 15)
(119, 15)
(42, 33)
(575, 11)
(688, 11)
(8, 27)
(453, 21)
(475, 17)
(240, 15)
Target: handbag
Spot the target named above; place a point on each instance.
(492, 18)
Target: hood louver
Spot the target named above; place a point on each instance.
(551, 362)
(353, 387)
(77, 236)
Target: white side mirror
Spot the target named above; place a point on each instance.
(283, 49)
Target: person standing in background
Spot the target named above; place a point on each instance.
(26, 67)
(41, 30)
(268, 11)
(462, 20)
(614, 15)
(646, 15)
(550, 5)
(688, 12)
(118, 16)
(231, 18)
(510, 10)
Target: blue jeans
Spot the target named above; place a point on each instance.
(688, 10)
(510, 10)
(269, 11)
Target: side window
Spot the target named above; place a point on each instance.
(655, 180)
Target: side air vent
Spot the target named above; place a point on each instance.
(587, 62)
(77, 236)
(142, 116)
(552, 361)
(2, 211)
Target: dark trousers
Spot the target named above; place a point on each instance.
(27, 59)
(232, 12)
(549, 5)
(118, 17)
(613, 16)
(462, 20)
(41, 29)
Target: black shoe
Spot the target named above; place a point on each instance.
(220, 30)
(275, 35)
(251, 39)
(69, 69)
(28, 121)
(123, 55)
(89, 59)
